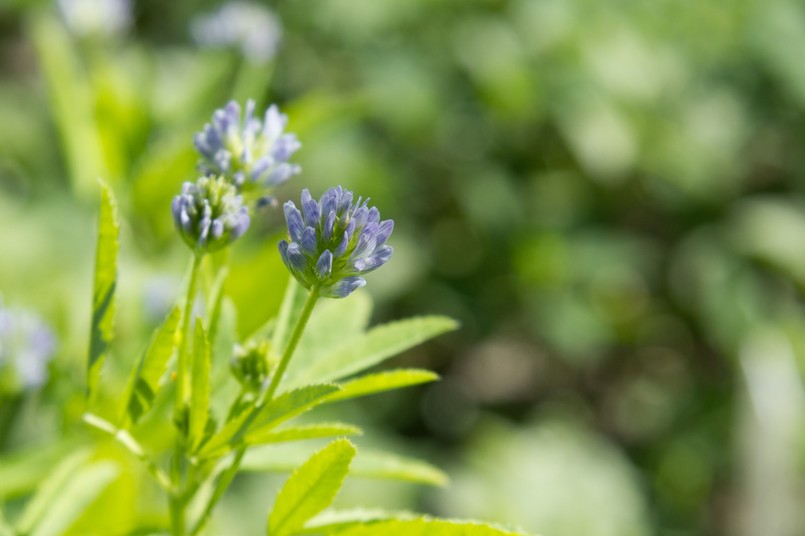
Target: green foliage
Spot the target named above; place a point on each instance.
(103, 294)
(376, 345)
(150, 367)
(72, 487)
(424, 527)
(311, 488)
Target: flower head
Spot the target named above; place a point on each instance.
(209, 214)
(334, 242)
(248, 152)
(251, 365)
(26, 348)
(252, 28)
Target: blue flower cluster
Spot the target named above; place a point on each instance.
(334, 241)
(209, 214)
(250, 152)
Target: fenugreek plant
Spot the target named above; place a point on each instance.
(304, 358)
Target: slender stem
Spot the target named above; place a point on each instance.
(296, 335)
(229, 474)
(125, 438)
(177, 501)
(182, 376)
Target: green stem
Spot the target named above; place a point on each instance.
(177, 499)
(229, 474)
(182, 376)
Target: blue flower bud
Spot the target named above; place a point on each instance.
(250, 153)
(209, 214)
(334, 241)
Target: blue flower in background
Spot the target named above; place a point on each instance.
(26, 347)
(334, 241)
(209, 214)
(252, 28)
(249, 152)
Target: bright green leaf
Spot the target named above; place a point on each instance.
(103, 294)
(303, 432)
(376, 345)
(311, 488)
(200, 384)
(382, 381)
(144, 380)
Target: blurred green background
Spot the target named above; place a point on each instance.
(609, 195)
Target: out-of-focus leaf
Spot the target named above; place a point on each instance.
(23, 470)
(311, 488)
(331, 521)
(144, 380)
(103, 294)
(377, 344)
(76, 495)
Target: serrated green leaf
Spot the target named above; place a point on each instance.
(303, 432)
(144, 380)
(376, 345)
(200, 385)
(382, 381)
(368, 464)
(330, 521)
(311, 488)
(247, 425)
(75, 496)
(103, 293)
(424, 526)
(292, 304)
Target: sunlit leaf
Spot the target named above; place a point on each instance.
(424, 526)
(311, 488)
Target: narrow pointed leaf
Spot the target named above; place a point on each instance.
(303, 432)
(103, 293)
(311, 488)
(382, 381)
(144, 381)
(200, 384)
(375, 346)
